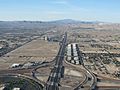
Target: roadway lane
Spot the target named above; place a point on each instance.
(94, 79)
(57, 72)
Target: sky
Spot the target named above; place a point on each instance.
(48, 10)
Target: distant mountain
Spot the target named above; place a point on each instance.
(65, 21)
(71, 21)
(21, 26)
(38, 25)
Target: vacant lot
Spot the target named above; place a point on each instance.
(37, 50)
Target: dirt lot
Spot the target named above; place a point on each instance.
(37, 50)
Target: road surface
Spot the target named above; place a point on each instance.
(58, 71)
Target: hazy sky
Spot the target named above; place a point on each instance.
(93, 10)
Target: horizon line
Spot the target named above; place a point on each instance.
(57, 20)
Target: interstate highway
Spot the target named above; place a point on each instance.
(58, 71)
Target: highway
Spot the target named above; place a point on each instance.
(83, 72)
(58, 71)
(93, 77)
(88, 72)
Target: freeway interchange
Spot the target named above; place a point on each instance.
(75, 52)
(74, 60)
(57, 72)
(77, 61)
